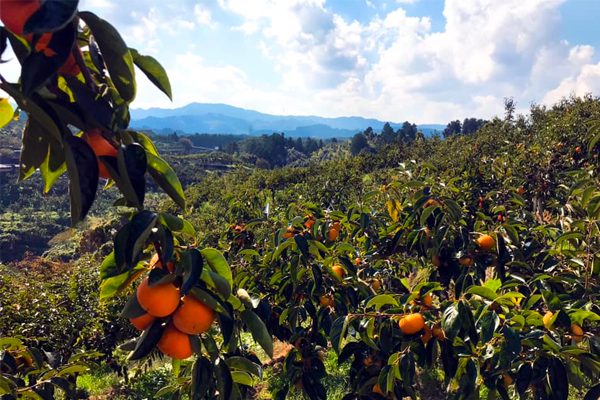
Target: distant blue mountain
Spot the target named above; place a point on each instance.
(226, 119)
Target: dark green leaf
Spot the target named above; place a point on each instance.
(115, 53)
(243, 364)
(148, 340)
(259, 331)
(593, 393)
(224, 379)
(557, 377)
(132, 308)
(201, 378)
(34, 148)
(209, 300)
(166, 178)
(98, 111)
(153, 70)
(83, 176)
(523, 378)
(217, 263)
(140, 228)
(451, 323)
(192, 270)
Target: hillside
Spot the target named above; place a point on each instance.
(222, 118)
(409, 215)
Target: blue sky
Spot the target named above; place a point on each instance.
(427, 61)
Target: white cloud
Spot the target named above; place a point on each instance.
(204, 16)
(395, 67)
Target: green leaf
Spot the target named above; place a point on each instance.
(258, 330)
(54, 165)
(83, 176)
(382, 300)
(115, 52)
(244, 364)
(483, 291)
(34, 148)
(33, 109)
(217, 282)
(132, 308)
(6, 112)
(177, 224)
(140, 228)
(451, 323)
(210, 301)
(113, 285)
(224, 380)
(148, 341)
(51, 16)
(154, 71)
(201, 378)
(166, 178)
(193, 264)
(557, 377)
(242, 378)
(217, 262)
(338, 332)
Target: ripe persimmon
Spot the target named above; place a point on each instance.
(427, 335)
(310, 221)
(486, 242)
(338, 270)
(427, 300)
(142, 322)
(438, 332)
(411, 323)
(175, 344)
(436, 261)
(577, 333)
(521, 191)
(101, 147)
(326, 300)
(376, 284)
(193, 316)
(377, 389)
(158, 300)
(465, 261)
(332, 234)
(14, 14)
(431, 203)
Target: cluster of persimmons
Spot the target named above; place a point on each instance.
(186, 314)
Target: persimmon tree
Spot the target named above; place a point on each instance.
(77, 81)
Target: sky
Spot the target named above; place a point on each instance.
(426, 61)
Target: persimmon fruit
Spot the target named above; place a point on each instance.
(142, 322)
(101, 147)
(486, 242)
(339, 271)
(193, 316)
(175, 344)
(158, 300)
(411, 323)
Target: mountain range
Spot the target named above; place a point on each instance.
(226, 119)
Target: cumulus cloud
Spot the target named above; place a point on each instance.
(392, 66)
(396, 67)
